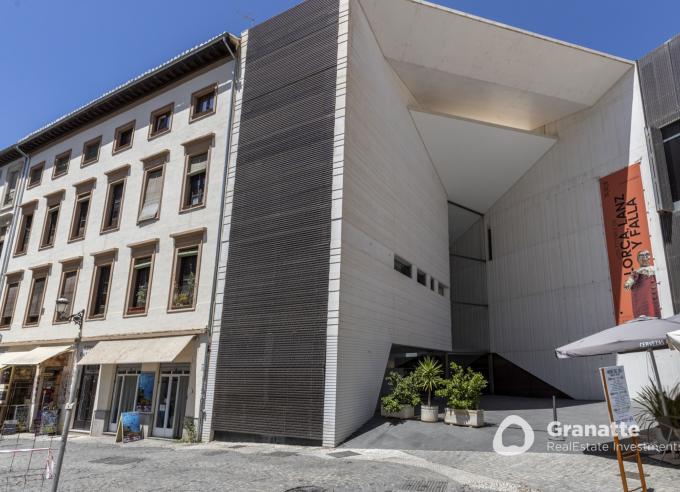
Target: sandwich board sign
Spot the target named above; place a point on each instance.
(129, 428)
(621, 420)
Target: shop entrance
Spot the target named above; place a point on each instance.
(124, 394)
(171, 401)
(86, 394)
(17, 384)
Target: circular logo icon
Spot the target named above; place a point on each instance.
(512, 450)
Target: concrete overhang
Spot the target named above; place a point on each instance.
(477, 162)
(471, 67)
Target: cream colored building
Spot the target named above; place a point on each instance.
(119, 215)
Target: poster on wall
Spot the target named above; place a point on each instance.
(626, 229)
(145, 384)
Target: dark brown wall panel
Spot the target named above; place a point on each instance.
(271, 360)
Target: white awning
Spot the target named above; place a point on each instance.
(32, 357)
(165, 349)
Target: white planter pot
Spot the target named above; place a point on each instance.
(429, 414)
(406, 412)
(469, 418)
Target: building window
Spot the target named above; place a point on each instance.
(203, 102)
(197, 154)
(114, 205)
(9, 300)
(421, 277)
(35, 297)
(432, 284)
(35, 175)
(671, 146)
(152, 189)
(91, 151)
(61, 164)
(50, 228)
(402, 266)
(101, 284)
(79, 224)
(185, 270)
(67, 288)
(441, 289)
(3, 236)
(123, 137)
(11, 187)
(139, 282)
(24, 234)
(161, 121)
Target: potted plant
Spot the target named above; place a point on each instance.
(651, 417)
(399, 403)
(428, 376)
(463, 391)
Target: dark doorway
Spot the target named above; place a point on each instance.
(86, 394)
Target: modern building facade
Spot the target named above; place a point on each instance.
(260, 228)
(118, 215)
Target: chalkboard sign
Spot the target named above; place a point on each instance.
(129, 428)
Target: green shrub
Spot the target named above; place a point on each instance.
(404, 391)
(463, 389)
(428, 376)
(649, 399)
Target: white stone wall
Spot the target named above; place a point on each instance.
(392, 203)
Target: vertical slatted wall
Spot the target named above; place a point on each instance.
(660, 86)
(270, 369)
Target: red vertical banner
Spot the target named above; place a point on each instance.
(629, 248)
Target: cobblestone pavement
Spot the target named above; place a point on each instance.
(153, 465)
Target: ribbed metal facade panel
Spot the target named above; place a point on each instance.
(660, 86)
(271, 361)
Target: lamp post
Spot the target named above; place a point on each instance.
(62, 307)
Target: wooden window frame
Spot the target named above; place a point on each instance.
(67, 266)
(15, 277)
(67, 155)
(186, 239)
(116, 148)
(40, 166)
(151, 164)
(114, 177)
(98, 141)
(53, 201)
(27, 209)
(140, 250)
(168, 108)
(38, 272)
(82, 188)
(192, 148)
(14, 169)
(193, 116)
(101, 259)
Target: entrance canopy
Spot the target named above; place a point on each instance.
(145, 350)
(32, 357)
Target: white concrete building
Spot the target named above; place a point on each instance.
(119, 216)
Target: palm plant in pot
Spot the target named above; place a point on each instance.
(652, 418)
(399, 403)
(428, 375)
(463, 391)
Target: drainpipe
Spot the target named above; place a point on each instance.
(211, 317)
(9, 236)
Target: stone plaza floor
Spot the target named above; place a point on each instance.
(382, 456)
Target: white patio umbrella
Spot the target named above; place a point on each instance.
(637, 335)
(674, 340)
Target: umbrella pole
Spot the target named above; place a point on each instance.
(664, 407)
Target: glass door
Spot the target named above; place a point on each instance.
(124, 396)
(86, 396)
(172, 395)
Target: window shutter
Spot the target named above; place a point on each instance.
(198, 163)
(662, 186)
(69, 287)
(12, 291)
(36, 298)
(152, 197)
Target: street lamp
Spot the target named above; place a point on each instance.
(62, 308)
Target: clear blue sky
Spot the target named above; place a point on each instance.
(59, 54)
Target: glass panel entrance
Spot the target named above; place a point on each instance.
(86, 394)
(124, 395)
(172, 397)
